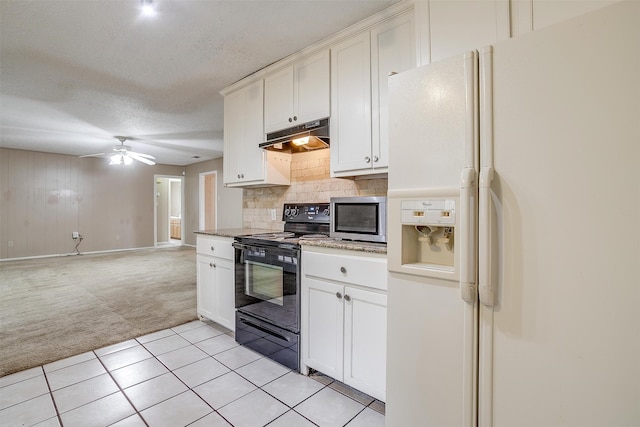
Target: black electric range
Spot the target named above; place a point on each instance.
(267, 296)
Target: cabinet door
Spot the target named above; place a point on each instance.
(278, 100)
(206, 287)
(233, 134)
(322, 331)
(243, 131)
(251, 158)
(225, 293)
(351, 105)
(454, 27)
(365, 341)
(392, 51)
(530, 15)
(312, 88)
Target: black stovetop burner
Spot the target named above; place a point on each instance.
(301, 221)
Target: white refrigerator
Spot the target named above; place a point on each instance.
(514, 231)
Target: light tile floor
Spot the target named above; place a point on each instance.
(194, 374)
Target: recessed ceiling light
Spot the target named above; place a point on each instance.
(148, 7)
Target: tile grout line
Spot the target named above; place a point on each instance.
(121, 391)
(53, 400)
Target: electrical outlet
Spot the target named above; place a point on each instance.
(75, 235)
(273, 214)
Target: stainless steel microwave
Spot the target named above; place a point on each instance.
(359, 218)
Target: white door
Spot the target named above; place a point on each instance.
(251, 156)
(562, 346)
(225, 293)
(392, 51)
(365, 341)
(206, 283)
(278, 100)
(324, 341)
(351, 104)
(312, 88)
(431, 348)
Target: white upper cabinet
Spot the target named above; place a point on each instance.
(298, 93)
(360, 66)
(245, 163)
(278, 100)
(351, 105)
(447, 28)
(392, 51)
(530, 15)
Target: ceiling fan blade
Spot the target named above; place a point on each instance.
(92, 155)
(148, 156)
(139, 158)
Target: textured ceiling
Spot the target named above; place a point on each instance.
(76, 73)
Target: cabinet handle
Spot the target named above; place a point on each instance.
(295, 118)
(392, 73)
(238, 176)
(338, 295)
(367, 159)
(290, 119)
(212, 265)
(212, 248)
(347, 298)
(343, 270)
(241, 175)
(375, 159)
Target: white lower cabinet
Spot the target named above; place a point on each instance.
(215, 280)
(344, 324)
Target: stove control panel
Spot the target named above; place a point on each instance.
(306, 212)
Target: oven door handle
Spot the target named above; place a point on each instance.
(292, 252)
(263, 328)
(242, 248)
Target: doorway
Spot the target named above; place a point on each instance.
(169, 210)
(208, 197)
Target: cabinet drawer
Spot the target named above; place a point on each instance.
(215, 246)
(345, 266)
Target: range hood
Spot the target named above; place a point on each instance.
(299, 139)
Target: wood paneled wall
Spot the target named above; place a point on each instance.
(45, 197)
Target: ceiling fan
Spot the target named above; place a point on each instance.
(123, 154)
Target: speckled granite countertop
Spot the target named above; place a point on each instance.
(233, 232)
(378, 248)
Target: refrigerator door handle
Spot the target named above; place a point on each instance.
(468, 290)
(486, 286)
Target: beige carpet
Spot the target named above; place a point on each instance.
(52, 308)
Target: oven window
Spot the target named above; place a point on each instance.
(356, 218)
(264, 282)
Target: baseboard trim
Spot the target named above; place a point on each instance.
(92, 252)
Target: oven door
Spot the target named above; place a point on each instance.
(267, 284)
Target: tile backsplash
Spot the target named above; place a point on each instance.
(310, 182)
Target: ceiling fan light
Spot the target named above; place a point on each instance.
(120, 159)
(116, 159)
